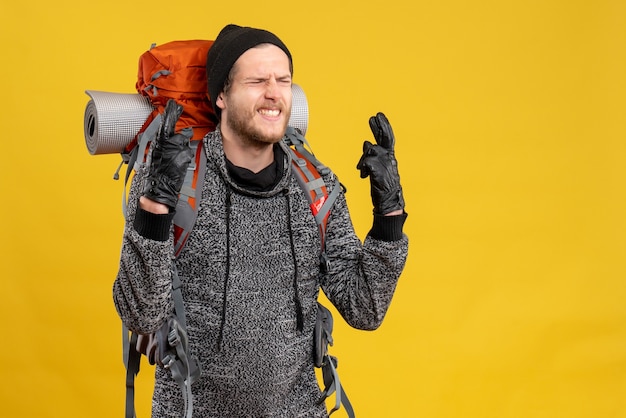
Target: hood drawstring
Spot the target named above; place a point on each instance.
(227, 273)
(296, 296)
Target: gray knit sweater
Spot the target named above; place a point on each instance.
(249, 268)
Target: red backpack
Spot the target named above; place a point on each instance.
(177, 70)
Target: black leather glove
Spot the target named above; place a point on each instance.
(171, 155)
(379, 163)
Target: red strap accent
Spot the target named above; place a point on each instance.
(316, 204)
(316, 201)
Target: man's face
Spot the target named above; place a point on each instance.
(257, 106)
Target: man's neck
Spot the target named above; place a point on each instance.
(252, 156)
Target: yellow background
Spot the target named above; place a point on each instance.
(509, 117)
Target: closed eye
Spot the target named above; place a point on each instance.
(256, 81)
(284, 80)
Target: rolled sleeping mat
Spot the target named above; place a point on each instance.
(112, 120)
(299, 109)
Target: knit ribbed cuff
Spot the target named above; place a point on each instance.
(388, 228)
(153, 226)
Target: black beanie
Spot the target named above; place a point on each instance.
(230, 44)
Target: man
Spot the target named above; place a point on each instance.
(250, 269)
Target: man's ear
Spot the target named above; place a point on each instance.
(220, 101)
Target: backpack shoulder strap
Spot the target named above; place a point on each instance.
(186, 210)
(309, 171)
(189, 198)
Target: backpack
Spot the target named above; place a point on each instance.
(176, 70)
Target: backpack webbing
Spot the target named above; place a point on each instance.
(323, 338)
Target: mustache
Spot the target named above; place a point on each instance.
(273, 105)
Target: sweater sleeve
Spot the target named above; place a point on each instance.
(142, 288)
(363, 276)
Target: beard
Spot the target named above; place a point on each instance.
(242, 123)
